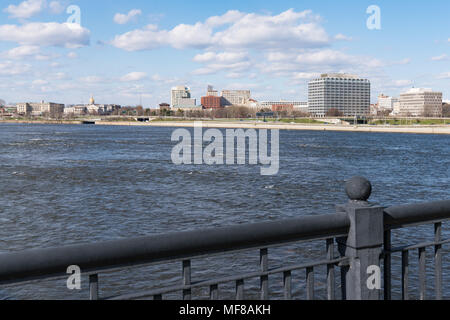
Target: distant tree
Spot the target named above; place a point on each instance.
(333, 112)
(428, 112)
(446, 110)
(139, 111)
(180, 113)
(384, 113)
(300, 114)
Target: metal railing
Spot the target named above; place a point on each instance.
(361, 230)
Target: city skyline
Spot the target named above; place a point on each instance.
(125, 52)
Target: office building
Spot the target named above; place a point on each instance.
(235, 97)
(346, 93)
(181, 98)
(386, 103)
(418, 102)
(211, 102)
(40, 108)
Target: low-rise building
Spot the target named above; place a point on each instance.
(235, 97)
(164, 107)
(418, 102)
(301, 106)
(75, 110)
(40, 108)
(211, 102)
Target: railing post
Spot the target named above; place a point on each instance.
(364, 243)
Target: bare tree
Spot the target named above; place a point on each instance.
(334, 112)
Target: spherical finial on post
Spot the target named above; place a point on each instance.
(358, 189)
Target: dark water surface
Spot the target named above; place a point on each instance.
(62, 185)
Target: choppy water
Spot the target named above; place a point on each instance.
(62, 185)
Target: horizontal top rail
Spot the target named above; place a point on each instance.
(416, 214)
(46, 263)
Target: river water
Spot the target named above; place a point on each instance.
(64, 184)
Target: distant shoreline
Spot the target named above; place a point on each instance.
(418, 129)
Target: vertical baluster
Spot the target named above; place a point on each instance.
(344, 268)
(264, 263)
(310, 283)
(422, 274)
(157, 297)
(287, 281)
(214, 292)
(187, 279)
(387, 265)
(330, 270)
(93, 287)
(438, 260)
(240, 290)
(405, 275)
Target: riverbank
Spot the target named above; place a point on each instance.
(417, 129)
(287, 126)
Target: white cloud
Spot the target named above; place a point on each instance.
(403, 61)
(305, 75)
(342, 37)
(120, 18)
(69, 35)
(9, 68)
(39, 82)
(60, 76)
(72, 55)
(225, 57)
(56, 7)
(25, 9)
(134, 76)
(22, 52)
(233, 62)
(228, 18)
(217, 67)
(288, 29)
(445, 75)
(329, 57)
(402, 83)
(440, 58)
(91, 79)
(280, 56)
(27, 52)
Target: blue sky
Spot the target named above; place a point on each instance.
(123, 51)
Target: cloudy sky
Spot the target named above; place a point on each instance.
(124, 51)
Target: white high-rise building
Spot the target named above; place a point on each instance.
(347, 93)
(386, 103)
(419, 102)
(181, 97)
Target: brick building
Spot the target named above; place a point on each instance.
(211, 102)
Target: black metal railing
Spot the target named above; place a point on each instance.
(362, 232)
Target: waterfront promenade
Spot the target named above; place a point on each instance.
(312, 127)
(223, 124)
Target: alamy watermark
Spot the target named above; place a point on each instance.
(374, 20)
(74, 280)
(374, 279)
(230, 149)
